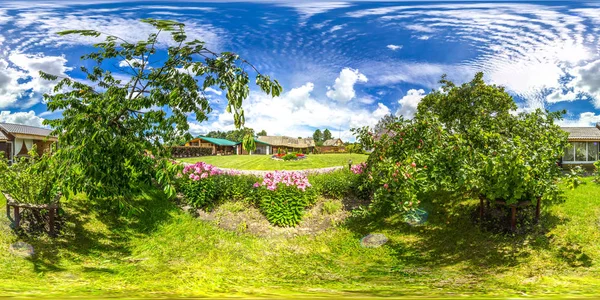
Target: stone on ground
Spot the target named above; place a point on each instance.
(22, 249)
(373, 240)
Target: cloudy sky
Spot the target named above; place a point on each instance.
(342, 64)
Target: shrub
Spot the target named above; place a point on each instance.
(289, 156)
(198, 184)
(336, 184)
(234, 186)
(573, 177)
(597, 172)
(283, 197)
(31, 180)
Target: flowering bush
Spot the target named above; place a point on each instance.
(203, 185)
(283, 196)
(198, 184)
(358, 168)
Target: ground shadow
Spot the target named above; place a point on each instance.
(93, 230)
(452, 236)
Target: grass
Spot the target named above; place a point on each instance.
(264, 162)
(165, 252)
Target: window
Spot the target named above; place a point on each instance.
(592, 151)
(582, 152)
(569, 153)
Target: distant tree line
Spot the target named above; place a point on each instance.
(320, 137)
(235, 135)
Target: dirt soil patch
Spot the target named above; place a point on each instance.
(243, 218)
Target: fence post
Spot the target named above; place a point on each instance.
(513, 218)
(17, 217)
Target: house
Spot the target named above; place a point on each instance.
(287, 144)
(332, 146)
(16, 140)
(333, 143)
(584, 145)
(262, 148)
(218, 146)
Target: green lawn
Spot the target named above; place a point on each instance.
(264, 162)
(165, 252)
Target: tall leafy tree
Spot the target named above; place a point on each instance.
(327, 135)
(318, 137)
(262, 133)
(108, 123)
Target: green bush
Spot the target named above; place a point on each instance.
(573, 177)
(201, 193)
(597, 172)
(285, 206)
(289, 156)
(31, 180)
(234, 187)
(336, 184)
(283, 197)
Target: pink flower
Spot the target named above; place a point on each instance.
(204, 175)
(413, 165)
(256, 185)
(386, 186)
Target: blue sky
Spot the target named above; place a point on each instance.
(342, 64)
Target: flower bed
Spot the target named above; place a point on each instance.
(283, 196)
(288, 156)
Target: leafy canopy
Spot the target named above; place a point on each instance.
(466, 139)
(108, 122)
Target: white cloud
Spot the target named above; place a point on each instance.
(40, 28)
(25, 118)
(587, 80)
(423, 37)
(214, 91)
(343, 88)
(336, 28)
(295, 113)
(308, 9)
(409, 103)
(420, 28)
(127, 63)
(394, 47)
(585, 119)
(20, 79)
(558, 96)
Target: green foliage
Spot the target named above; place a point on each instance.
(327, 135)
(262, 133)
(284, 206)
(597, 172)
(289, 156)
(200, 193)
(248, 142)
(465, 139)
(31, 180)
(354, 148)
(108, 123)
(573, 177)
(338, 184)
(318, 137)
(212, 190)
(234, 187)
(332, 206)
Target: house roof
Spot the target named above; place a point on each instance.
(286, 141)
(23, 129)
(216, 141)
(583, 133)
(3, 137)
(331, 142)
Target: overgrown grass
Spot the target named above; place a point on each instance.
(264, 162)
(165, 252)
